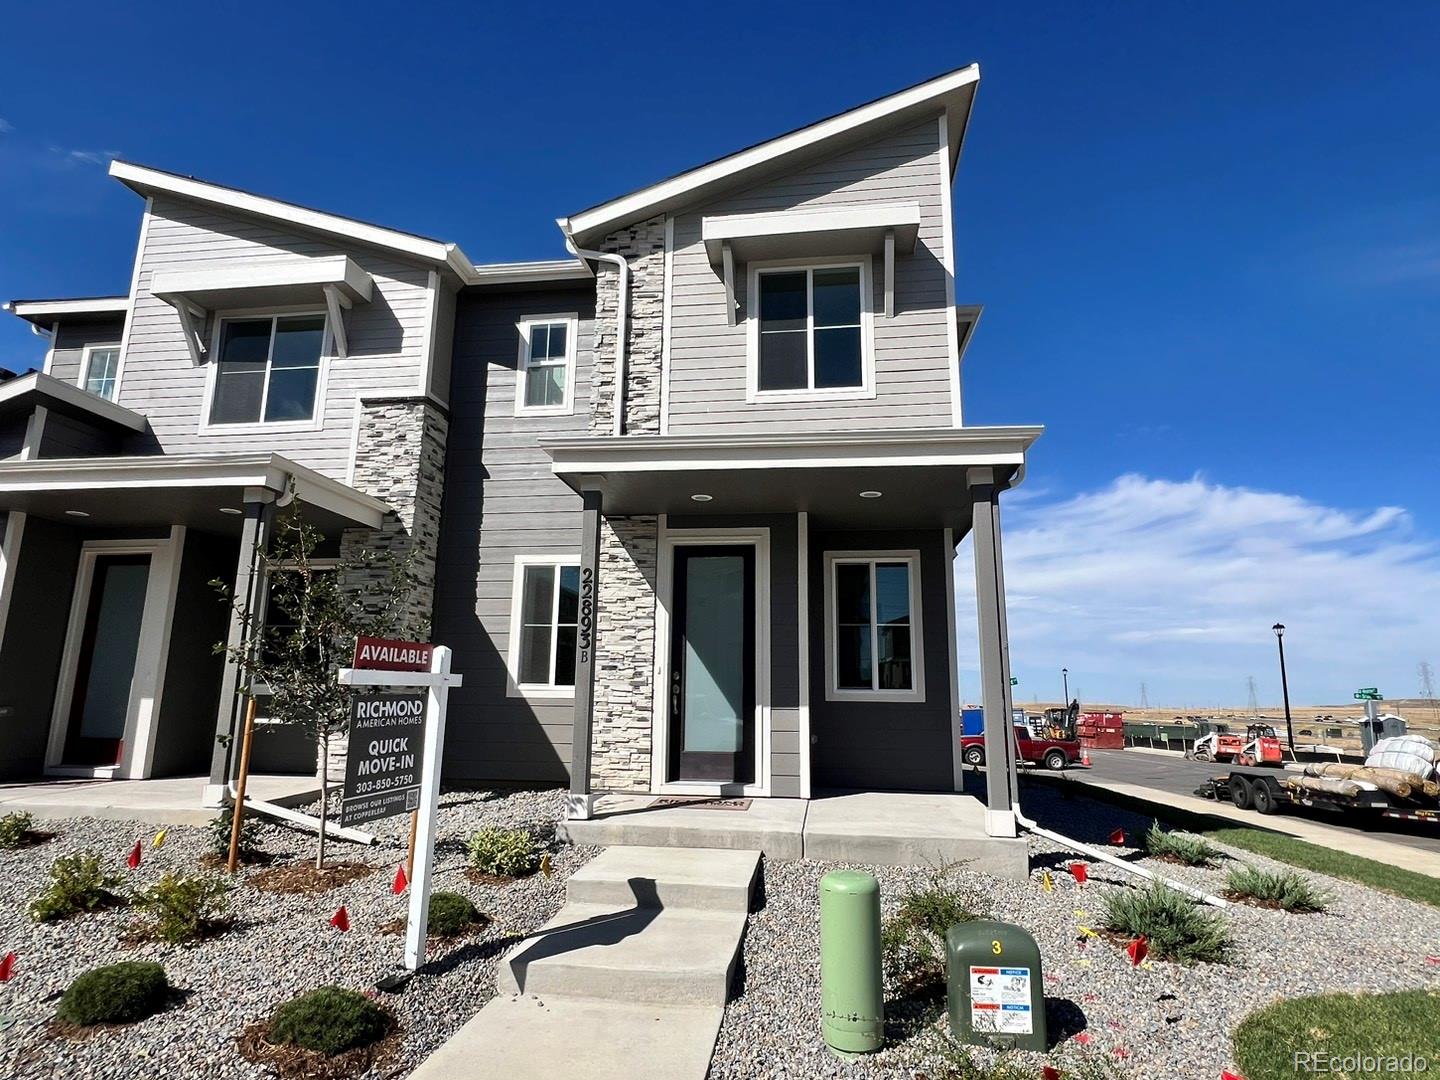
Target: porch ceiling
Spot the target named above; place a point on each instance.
(923, 477)
(198, 491)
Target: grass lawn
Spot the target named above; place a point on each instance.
(1340, 1026)
(1281, 848)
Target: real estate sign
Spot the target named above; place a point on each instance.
(383, 654)
(387, 752)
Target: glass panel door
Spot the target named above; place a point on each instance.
(712, 665)
(105, 668)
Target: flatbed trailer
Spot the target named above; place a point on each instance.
(1261, 790)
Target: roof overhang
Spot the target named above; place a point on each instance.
(524, 273)
(24, 393)
(847, 230)
(76, 309)
(924, 477)
(200, 491)
(147, 181)
(951, 94)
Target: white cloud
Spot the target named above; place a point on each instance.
(5, 126)
(1177, 584)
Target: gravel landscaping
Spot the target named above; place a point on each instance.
(1160, 1019)
(282, 945)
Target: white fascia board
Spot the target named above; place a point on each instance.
(37, 382)
(873, 218)
(638, 204)
(523, 272)
(338, 270)
(967, 446)
(968, 314)
(146, 181)
(46, 311)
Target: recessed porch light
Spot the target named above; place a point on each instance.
(871, 494)
(77, 513)
(700, 497)
(231, 510)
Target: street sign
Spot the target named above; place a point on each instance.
(382, 769)
(383, 654)
(1014, 681)
(1367, 690)
(1369, 695)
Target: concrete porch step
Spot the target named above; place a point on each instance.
(772, 826)
(650, 955)
(674, 878)
(530, 1038)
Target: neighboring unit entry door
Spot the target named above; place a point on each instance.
(712, 664)
(105, 665)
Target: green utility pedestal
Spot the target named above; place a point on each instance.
(996, 988)
(851, 996)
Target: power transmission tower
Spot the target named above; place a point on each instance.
(1427, 686)
(1144, 697)
(1252, 704)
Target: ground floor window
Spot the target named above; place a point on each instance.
(873, 626)
(544, 625)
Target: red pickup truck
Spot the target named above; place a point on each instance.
(1052, 753)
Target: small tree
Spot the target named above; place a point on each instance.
(314, 616)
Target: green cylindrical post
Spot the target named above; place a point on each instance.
(851, 996)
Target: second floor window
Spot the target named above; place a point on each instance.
(811, 329)
(268, 369)
(101, 369)
(546, 371)
(548, 618)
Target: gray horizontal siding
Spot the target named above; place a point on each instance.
(67, 350)
(388, 337)
(501, 500)
(912, 358)
(63, 436)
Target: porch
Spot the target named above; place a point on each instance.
(872, 828)
(172, 800)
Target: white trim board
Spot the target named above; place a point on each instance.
(52, 310)
(802, 577)
(667, 540)
(947, 260)
(916, 694)
(524, 328)
(514, 688)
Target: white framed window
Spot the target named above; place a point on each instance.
(545, 370)
(544, 622)
(100, 370)
(810, 330)
(267, 371)
(873, 642)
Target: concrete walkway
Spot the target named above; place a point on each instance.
(873, 827)
(627, 982)
(169, 801)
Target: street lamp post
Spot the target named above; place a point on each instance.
(1065, 681)
(1279, 629)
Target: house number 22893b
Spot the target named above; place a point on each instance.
(587, 612)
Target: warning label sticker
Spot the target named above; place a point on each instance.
(1000, 1000)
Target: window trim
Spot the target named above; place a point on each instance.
(83, 376)
(866, 389)
(513, 686)
(523, 327)
(327, 345)
(834, 559)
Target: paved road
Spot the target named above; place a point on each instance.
(1176, 774)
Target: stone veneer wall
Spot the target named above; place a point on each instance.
(400, 458)
(643, 246)
(624, 654)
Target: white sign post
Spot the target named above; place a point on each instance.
(437, 681)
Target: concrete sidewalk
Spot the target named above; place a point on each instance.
(1326, 836)
(172, 800)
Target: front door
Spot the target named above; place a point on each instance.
(105, 662)
(712, 665)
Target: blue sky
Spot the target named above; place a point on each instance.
(1207, 238)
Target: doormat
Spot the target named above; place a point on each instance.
(700, 802)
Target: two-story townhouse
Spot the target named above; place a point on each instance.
(702, 483)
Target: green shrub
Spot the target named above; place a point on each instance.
(219, 829)
(912, 941)
(183, 908)
(77, 883)
(116, 994)
(1182, 847)
(504, 852)
(329, 1020)
(1285, 889)
(15, 830)
(451, 914)
(1175, 926)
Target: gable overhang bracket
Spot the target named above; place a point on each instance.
(889, 273)
(336, 303)
(192, 319)
(727, 260)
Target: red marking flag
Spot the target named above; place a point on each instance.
(401, 881)
(1227, 1074)
(341, 919)
(1080, 872)
(7, 967)
(1049, 1072)
(133, 862)
(1118, 838)
(1137, 950)
(1083, 1039)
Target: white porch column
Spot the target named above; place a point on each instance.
(994, 653)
